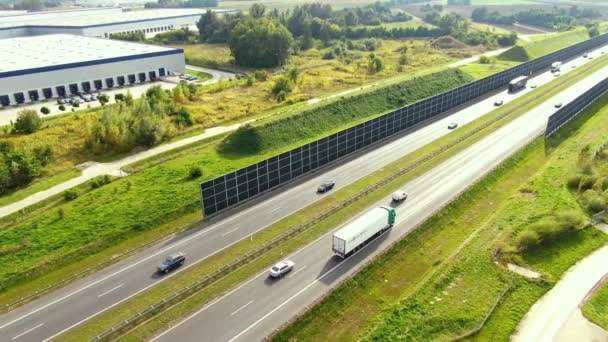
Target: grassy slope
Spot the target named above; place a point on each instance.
(440, 307)
(596, 308)
(119, 214)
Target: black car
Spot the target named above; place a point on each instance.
(172, 262)
(326, 186)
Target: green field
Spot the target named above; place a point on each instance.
(478, 70)
(440, 271)
(42, 184)
(596, 308)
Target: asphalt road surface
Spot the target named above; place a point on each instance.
(261, 305)
(57, 312)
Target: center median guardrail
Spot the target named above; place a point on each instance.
(165, 303)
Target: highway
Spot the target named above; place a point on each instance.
(57, 312)
(261, 305)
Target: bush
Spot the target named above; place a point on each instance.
(574, 181)
(103, 99)
(329, 55)
(119, 97)
(484, 60)
(586, 183)
(70, 195)
(195, 172)
(282, 87)
(260, 75)
(45, 110)
(27, 121)
(100, 181)
(76, 104)
(183, 118)
(61, 108)
(596, 205)
(526, 240)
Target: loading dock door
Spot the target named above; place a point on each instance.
(120, 80)
(131, 79)
(142, 77)
(86, 86)
(19, 98)
(98, 84)
(60, 90)
(33, 94)
(109, 82)
(4, 100)
(73, 88)
(47, 92)
(162, 72)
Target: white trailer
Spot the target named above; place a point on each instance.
(556, 66)
(359, 231)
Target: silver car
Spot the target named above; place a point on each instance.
(281, 268)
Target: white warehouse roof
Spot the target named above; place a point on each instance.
(97, 17)
(58, 51)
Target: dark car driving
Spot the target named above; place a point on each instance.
(172, 262)
(326, 186)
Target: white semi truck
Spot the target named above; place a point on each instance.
(356, 233)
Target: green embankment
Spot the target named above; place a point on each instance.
(447, 282)
(596, 309)
(544, 45)
(154, 199)
(274, 133)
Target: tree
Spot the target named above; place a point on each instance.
(118, 97)
(27, 121)
(257, 10)
(45, 110)
(207, 23)
(307, 41)
(593, 30)
(61, 108)
(260, 42)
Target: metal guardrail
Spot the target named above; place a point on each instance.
(130, 323)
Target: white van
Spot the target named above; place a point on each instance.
(399, 196)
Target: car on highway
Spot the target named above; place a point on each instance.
(498, 102)
(557, 74)
(326, 186)
(399, 196)
(452, 125)
(585, 55)
(533, 86)
(558, 105)
(573, 66)
(281, 268)
(172, 262)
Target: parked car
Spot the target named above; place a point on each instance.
(452, 125)
(558, 105)
(498, 102)
(585, 55)
(86, 98)
(94, 97)
(326, 186)
(172, 262)
(399, 196)
(61, 100)
(557, 74)
(533, 86)
(281, 268)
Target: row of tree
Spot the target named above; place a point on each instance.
(181, 4)
(458, 27)
(557, 18)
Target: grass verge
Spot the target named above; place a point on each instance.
(91, 328)
(595, 308)
(447, 294)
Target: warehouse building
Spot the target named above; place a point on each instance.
(100, 23)
(45, 67)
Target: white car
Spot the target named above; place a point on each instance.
(281, 268)
(399, 196)
(533, 86)
(452, 125)
(557, 74)
(558, 105)
(498, 102)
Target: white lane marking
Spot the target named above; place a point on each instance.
(241, 308)
(296, 272)
(273, 210)
(305, 288)
(110, 290)
(27, 331)
(231, 231)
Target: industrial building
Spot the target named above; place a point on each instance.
(44, 67)
(99, 22)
